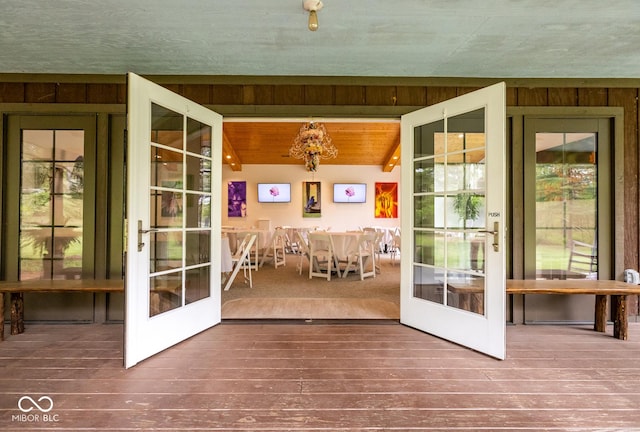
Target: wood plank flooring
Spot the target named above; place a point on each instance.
(321, 376)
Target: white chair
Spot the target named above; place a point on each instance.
(241, 259)
(378, 250)
(256, 249)
(322, 261)
(302, 250)
(395, 248)
(583, 259)
(364, 254)
(291, 241)
(276, 249)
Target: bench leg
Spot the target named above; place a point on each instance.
(2, 299)
(620, 324)
(600, 319)
(17, 313)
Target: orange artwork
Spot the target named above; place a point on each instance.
(386, 200)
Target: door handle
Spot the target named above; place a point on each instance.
(142, 231)
(496, 235)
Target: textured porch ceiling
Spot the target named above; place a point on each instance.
(382, 38)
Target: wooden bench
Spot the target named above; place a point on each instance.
(600, 288)
(17, 290)
(471, 297)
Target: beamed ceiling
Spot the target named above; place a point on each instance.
(358, 142)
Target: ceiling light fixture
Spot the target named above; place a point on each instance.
(313, 6)
(312, 144)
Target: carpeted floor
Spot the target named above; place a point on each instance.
(284, 294)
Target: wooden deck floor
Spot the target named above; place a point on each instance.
(242, 376)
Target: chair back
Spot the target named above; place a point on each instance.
(320, 242)
(303, 247)
(366, 243)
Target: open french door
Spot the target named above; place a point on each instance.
(172, 283)
(453, 220)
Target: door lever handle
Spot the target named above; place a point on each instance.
(148, 231)
(496, 235)
(143, 231)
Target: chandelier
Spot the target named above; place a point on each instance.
(312, 144)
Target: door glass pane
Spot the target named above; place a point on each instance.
(180, 206)
(165, 293)
(198, 210)
(198, 137)
(167, 127)
(166, 168)
(165, 251)
(449, 211)
(198, 247)
(198, 284)
(566, 206)
(51, 204)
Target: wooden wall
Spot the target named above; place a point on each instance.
(369, 93)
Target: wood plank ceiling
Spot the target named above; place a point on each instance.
(358, 143)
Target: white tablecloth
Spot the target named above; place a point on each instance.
(235, 235)
(345, 244)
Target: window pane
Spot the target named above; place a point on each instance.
(198, 137)
(52, 195)
(428, 283)
(67, 210)
(166, 168)
(166, 127)
(566, 205)
(71, 176)
(195, 170)
(165, 251)
(424, 176)
(69, 145)
(198, 211)
(35, 197)
(37, 145)
(198, 284)
(198, 247)
(165, 293)
(465, 292)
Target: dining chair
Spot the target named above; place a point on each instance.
(321, 256)
(256, 250)
(583, 258)
(241, 259)
(395, 248)
(378, 250)
(302, 250)
(276, 249)
(364, 254)
(291, 243)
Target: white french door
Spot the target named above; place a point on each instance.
(453, 220)
(172, 283)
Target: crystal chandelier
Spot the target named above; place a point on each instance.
(312, 144)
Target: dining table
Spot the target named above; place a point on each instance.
(262, 241)
(345, 244)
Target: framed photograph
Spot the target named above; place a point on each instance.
(311, 199)
(237, 199)
(386, 200)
